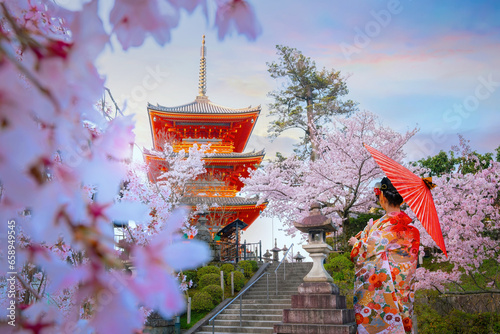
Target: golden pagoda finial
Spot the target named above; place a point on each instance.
(202, 86)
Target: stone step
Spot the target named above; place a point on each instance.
(263, 284)
(282, 287)
(318, 316)
(264, 287)
(272, 295)
(273, 312)
(245, 323)
(263, 301)
(272, 292)
(216, 332)
(316, 329)
(288, 270)
(259, 306)
(236, 316)
(232, 329)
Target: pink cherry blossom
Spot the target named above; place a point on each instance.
(340, 178)
(239, 15)
(65, 175)
(133, 20)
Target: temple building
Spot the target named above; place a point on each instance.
(228, 131)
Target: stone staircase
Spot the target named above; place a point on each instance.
(258, 313)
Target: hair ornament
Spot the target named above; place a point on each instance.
(428, 183)
(383, 187)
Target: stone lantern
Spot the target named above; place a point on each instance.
(318, 307)
(205, 235)
(203, 232)
(299, 257)
(316, 226)
(276, 251)
(267, 256)
(285, 249)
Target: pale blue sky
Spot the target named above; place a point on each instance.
(426, 64)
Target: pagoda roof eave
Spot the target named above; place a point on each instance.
(226, 202)
(218, 156)
(233, 155)
(202, 106)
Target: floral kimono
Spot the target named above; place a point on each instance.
(385, 259)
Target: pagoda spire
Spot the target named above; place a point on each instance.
(202, 86)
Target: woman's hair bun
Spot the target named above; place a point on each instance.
(390, 192)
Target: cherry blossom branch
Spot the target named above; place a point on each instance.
(113, 100)
(18, 65)
(493, 291)
(28, 287)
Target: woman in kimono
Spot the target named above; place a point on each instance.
(385, 255)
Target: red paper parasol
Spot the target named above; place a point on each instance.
(415, 191)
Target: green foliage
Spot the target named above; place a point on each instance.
(351, 227)
(444, 163)
(191, 276)
(215, 291)
(209, 279)
(468, 165)
(430, 264)
(307, 94)
(280, 157)
(247, 267)
(227, 268)
(208, 270)
(195, 317)
(488, 272)
(255, 265)
(358, 224)
(455, 322)
(202, 301)
(439, 164)
(340, 267)
(239, 281)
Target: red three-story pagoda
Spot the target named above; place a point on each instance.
(227, 130)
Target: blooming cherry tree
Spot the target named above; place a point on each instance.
(339, 178)
(62, 164)
(469, 213)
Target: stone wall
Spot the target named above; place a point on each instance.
(157, 325)
(473, 303)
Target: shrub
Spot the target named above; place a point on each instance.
(247, 267)
(209, 279)
(208, 270)
(431, 321)
(340, 267)
(227, 268)
(239, 281)
(215, 292)
(202, 301)
(255, 265)
(191, 276)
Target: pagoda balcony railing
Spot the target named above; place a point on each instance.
(219, 147)
(213, 193)
(232, 252)
(211, 190)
